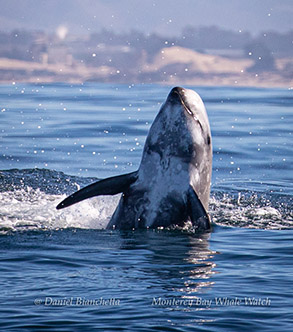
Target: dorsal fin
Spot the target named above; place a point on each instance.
(110, 186)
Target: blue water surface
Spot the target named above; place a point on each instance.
(61, 271)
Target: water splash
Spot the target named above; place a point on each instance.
(31, 209)
(29, 198)
(252, 210)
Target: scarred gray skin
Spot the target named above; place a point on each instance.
(172, 184)
(177, 158)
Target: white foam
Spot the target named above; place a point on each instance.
(250, 212)
(33, 209)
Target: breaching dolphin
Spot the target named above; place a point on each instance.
(172, 184)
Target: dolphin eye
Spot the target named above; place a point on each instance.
(209, 139)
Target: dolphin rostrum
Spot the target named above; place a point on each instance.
(172, 184)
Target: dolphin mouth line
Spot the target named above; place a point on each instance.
(188, 110)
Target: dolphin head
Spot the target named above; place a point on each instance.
(181, 128)
(193, 112)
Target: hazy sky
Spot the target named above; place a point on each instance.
(166, 17)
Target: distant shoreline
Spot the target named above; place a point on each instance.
(196, 82)
(204, 71)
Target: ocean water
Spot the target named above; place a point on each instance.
(62, 271)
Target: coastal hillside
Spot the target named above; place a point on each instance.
(168, 66)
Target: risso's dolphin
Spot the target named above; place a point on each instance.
(172, 184)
